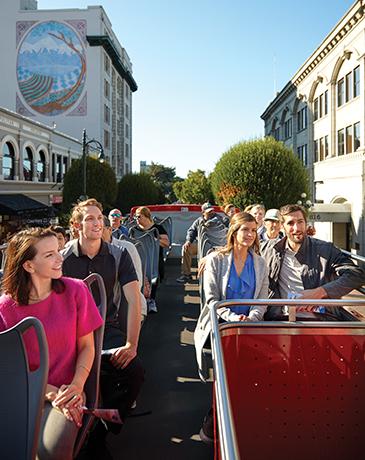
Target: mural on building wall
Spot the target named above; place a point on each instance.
(51, 68)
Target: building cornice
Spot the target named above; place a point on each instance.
(337, 34)
(107, 44)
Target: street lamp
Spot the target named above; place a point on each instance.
(85, 152)
(303, 202)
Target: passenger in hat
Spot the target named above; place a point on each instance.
(190, 248)
(272, 233)
(115, 218)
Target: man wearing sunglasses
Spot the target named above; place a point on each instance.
(115, 218)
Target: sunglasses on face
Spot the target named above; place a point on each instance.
(138, 217)
(116, 215)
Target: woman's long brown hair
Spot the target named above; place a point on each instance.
(237, 220)
(21, 247)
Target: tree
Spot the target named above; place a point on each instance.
(194, 189)
(137, 189)
(100, 180)
(164, 177)
(259, 171)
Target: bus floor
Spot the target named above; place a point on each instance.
(172, 391)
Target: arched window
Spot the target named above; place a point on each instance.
(41, 167)
(27, 164)
(8, 161)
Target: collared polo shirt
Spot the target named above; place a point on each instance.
(78, 265)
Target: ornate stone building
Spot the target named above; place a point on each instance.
(320, 114)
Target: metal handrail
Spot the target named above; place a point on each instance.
(227, 433)
(354, 256)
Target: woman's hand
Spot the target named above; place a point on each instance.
(244, 318)
(69, 401)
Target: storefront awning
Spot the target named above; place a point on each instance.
(18, 205)
(330, 212)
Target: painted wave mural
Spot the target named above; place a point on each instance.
(51, 68)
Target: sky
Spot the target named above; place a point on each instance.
(207, 69)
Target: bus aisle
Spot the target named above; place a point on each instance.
(172, 389)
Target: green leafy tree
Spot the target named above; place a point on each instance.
(259, 171)
(101, 183)
(137, 189)
(194, 189)
(164, 177)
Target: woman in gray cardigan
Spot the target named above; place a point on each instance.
(236, 271)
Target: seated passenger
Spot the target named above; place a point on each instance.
(61, 235)
(133, 253)
(33, 286)
(236, 271)
(258, 211)
(233, 272)
(272, 233)
(308, 268)
(190, 248)
(145, 223)
(229, 211)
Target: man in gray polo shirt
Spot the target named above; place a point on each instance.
(307, 267)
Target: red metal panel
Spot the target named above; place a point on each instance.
(297, 396)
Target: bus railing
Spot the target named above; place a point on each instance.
(228, 444)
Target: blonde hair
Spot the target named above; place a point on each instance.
(145, 212)
(78, 210)
(237, 220)
(227, 207)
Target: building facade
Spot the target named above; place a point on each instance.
(320, 114)
(33, 161)
(66, 68)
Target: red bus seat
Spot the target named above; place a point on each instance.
(296, 391)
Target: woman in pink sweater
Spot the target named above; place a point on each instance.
(33, 286)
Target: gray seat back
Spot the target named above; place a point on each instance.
(151, 245)
(92, 384)
(22, 392)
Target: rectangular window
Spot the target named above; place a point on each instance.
(315, 153)
(106, 63)
(356, 82)
(315, 109)
(126, 150)
(321, 149)
(288, 129)
(302, 119)
(320, 108)
(356, 136)
(348, 87)
(127, 111)
(127, 131)
(340, 92)
(277, 133)
(106, 114)
(325, 103)
(106, 89)
(340, 142)
(326, 147)
(126, 91)
(349, 130)
(106, 139)
(305, 155)
(302, 154)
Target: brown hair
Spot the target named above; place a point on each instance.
(290, 208)
(77, 212)
(21, 247)
(145, 212)
(237, 220)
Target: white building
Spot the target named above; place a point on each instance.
(67, 68)
(320, 114)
